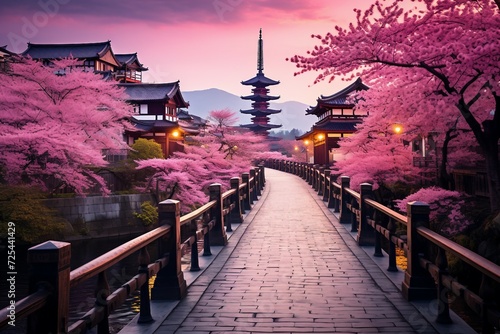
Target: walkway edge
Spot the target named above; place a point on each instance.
(160, 310)
(426, 309)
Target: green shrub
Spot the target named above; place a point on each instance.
(34, 222)
(144, 149)
(148, 215)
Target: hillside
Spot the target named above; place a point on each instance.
(292, 114)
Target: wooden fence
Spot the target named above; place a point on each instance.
(47, 305)
(426, 276)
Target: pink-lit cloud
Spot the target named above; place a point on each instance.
(202, 43)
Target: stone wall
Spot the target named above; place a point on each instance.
(98, 216)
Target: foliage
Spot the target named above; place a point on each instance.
(446, 215)
(144, 149)
(55, 122)
(221, 152)
(34, 221)
(437, 59)
(148, 215)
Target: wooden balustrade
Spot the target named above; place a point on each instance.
(425, 277)
(47, 306)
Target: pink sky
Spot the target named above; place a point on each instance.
(203, 43)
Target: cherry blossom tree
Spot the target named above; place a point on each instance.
(450, 45)
(376, 154)
(390, 104)
(446, 215)
(55, 122)
(221, 152)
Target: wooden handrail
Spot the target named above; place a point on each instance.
(477, 261)
(196, 213)
(112, 257)
(387, 211)
(25, 306)
(423, 277)
(228, 193)
(222, 206)
(353, 193)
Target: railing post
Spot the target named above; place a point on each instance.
(443, 316)
(366, 233)
(145, 307)
(345, 214)
(206, 237)
(258, 184)
(378, 236)
(235, 215)
(247, 202)
(195, 259)
(254, 185)
(310, 174)
(49, 270)
(321, 181)
(417, 284)
(170, 282)
(312, 181)
(391, 226)
(327, 185)
(218, 236)
(262, 177)
(336, 201)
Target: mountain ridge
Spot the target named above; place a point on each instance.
(292, 116)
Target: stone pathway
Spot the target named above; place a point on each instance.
(288, 270)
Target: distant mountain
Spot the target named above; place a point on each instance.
(292, 116)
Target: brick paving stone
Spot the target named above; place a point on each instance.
(292, 272)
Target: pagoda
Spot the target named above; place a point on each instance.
(260, 100)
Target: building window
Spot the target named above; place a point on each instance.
(144, 109)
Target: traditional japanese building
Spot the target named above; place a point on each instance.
(97, 57)
(130, 69)
(155, 114)
(336, 119)
(260, 100)
(6, 56)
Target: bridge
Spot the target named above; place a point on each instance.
(286, 250)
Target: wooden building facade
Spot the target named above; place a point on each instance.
(337, 118)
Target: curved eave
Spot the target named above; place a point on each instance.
(306, 135)
(177, 95)
(260, 80)
(148, 126)
(342, 94)
(266, 111)
(261, 126)
(259, 97)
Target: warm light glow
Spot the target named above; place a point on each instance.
(321, 136)
(397, 128)
(175, 134)
(296, 148)
(306, 142)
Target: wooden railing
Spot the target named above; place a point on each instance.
(426, 276)
(47, 305)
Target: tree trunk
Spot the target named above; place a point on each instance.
(492, 164)
(444, 176)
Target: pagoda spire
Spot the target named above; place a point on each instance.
(260, 53)
(260, 99)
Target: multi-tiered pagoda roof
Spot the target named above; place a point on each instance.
(260, 106)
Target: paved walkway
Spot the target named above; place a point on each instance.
(289, 269)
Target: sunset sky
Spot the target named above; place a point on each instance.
(203, 43)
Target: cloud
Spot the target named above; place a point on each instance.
(164, 12)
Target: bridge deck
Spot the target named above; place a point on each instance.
(292, 268)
